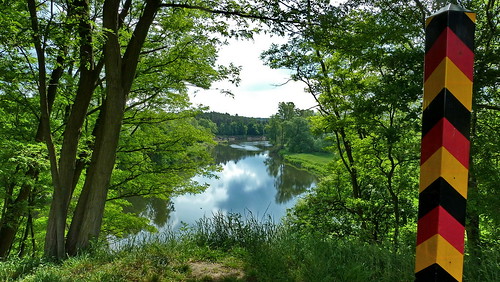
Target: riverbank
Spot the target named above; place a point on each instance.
(315, 163)
(236, 138)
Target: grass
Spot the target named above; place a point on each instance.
(233, 248)
(313, 162)
(168, 259)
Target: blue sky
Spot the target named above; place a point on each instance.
(258, 94)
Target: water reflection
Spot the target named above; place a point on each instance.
(289, 182)
(157, 210)
(235, 152)
(251, 180)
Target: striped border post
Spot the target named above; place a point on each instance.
(444, 163)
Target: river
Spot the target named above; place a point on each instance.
(252, 182)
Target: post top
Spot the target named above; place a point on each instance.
(451, 7)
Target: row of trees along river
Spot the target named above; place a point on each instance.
(95, 111)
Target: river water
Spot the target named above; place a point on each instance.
(252, 182)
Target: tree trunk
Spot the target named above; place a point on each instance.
(473, 224)
(68, 156)
(52, 90)
(397, 218)
(58, 250)
(11, 219)
(86, 223)
(29, 228)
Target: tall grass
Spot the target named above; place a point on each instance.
(483, 268)
(275, 254)
(260, 248)
(226, 231)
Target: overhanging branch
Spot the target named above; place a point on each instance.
(230, 13)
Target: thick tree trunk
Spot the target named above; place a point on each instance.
(69, 167)
(58, 250)
(86, 223)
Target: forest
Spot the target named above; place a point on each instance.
(229, 125)
(95, 110)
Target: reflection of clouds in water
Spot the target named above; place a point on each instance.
(245, 147)
(241, 187)
(239, 173)
(188, 208)
(216, 192)
(247, 184)
(255, 199)
(251, 146)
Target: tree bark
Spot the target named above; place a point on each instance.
(120, 72)
(68, 156)
(52, 91)
(58, 250)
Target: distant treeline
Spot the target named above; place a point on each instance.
(229, 125)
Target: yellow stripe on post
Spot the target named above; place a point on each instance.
(472, 16)
(443, 164)
(448, 75)
(437, 250)
(428, 20)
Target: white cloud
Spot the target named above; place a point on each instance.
(258, 94)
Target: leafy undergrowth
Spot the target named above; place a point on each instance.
(233, 248)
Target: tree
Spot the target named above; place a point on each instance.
(23, 163)
(361, 61)
(482, 220)
(298, 135)
(367, 91)
(82, 142)
(83, 57)
(290, 128)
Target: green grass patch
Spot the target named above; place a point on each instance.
(316, 163)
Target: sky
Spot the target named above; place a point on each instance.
(259, 92)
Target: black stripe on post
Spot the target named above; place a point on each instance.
(445, 105)
(434, 273)
(440, 193)
(458, 22)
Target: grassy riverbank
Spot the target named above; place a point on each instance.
(315, 163)
(227, 248)
(230, 248)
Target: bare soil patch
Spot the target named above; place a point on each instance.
(209, 271)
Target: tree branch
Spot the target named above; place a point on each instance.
(489, 107)
(423, 10)
(229, 13)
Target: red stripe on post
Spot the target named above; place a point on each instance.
(449, 45)
(439, 221)
(444, 134)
